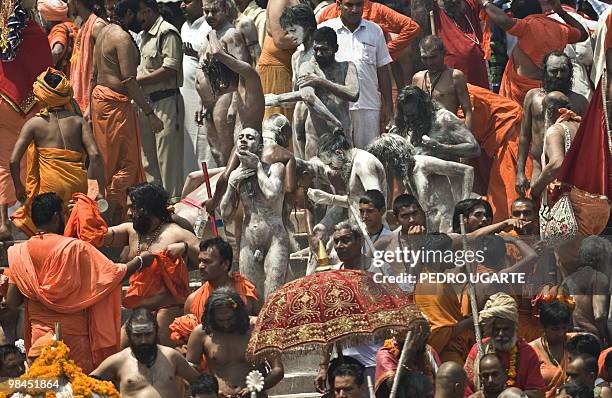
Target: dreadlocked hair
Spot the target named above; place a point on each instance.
(219, 75)
(422, 125)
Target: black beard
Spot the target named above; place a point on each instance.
(135, 27)
(145, 353)
(141, 224)
(323, 62)
(550, 84)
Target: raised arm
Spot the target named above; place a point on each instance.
(26, 136)
(95, 170)
(117, 236)
(522, 182)
(497, 15)
(279, 36)
(571, 21)
(253, 98)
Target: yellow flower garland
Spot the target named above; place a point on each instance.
(54, 363)
(512, 368)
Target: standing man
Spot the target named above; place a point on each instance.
(193, 33)
(19, 66)
(93, 14)
(160, 74)
(457, 23)
(372, 209)
(537, 36)
(404, 29)
(62, 32)
(68, 281)
(113, 117)
(363, 43)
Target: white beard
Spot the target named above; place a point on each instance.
(506, 346)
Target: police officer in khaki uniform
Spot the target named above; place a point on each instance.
(160, 74)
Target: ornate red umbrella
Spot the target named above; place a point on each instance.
(329, 307)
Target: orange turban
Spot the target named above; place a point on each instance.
(182, 327)
(57, 96)
(53, 10)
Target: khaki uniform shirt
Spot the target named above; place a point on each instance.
(161, 46)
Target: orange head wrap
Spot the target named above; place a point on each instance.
(548, 294)
(53, 10)
(567, 114)
(181, 328)
(58, 96)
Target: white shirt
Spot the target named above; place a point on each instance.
(194, 33)
(367, 49)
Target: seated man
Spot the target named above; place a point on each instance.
(138, 368)
(492, 376)
(60, 138)
(12, 362)
(222, 338)
(583, 369)
(500, 316)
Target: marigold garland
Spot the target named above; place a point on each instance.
(54, 363)
(512, 368)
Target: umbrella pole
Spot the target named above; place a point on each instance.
(371, 387)
(364, 231)
(471, 290)
(400, 365)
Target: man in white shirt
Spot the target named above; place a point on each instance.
(363, 43)
(193, 33)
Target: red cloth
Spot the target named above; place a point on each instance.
(587, 164)
(389, 20)
(85, 221)
(68, 281)
(528, 375)
(17, 76)
(464, 49)
(601, 363)
(165, 273)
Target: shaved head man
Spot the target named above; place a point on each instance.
(450, 381)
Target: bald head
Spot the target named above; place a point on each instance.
(432, 43)
(450, 380)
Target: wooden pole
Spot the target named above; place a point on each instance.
(58, 331)
(400, 365)
(371, 387)
(432, 22)
(471, 290)
(211, 217)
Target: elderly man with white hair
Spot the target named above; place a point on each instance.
(500, 320)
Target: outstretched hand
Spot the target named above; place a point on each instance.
(319, 197)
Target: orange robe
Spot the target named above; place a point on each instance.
(242, 286)
(81, 62)
(50, 170)
(496, 123)
(601, 364)
(554, 376)
(275, 71)
(17, 103)
(439, 303)
(85, 221)
(115, 127)
(537, 36)
(164, 274)
(65, 34)
(68, 281)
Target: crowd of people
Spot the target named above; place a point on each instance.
(160, 166)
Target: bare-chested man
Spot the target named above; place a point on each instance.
(221, 106)
(222, 338)
(114, 119)
(446, 85)
(258, 186)
(247, 28)
(590, 287)
(433, 130)
(60, 137)
(325, 86)
(351, 171)
(151, 228)
(145, 368)
(558, 73)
